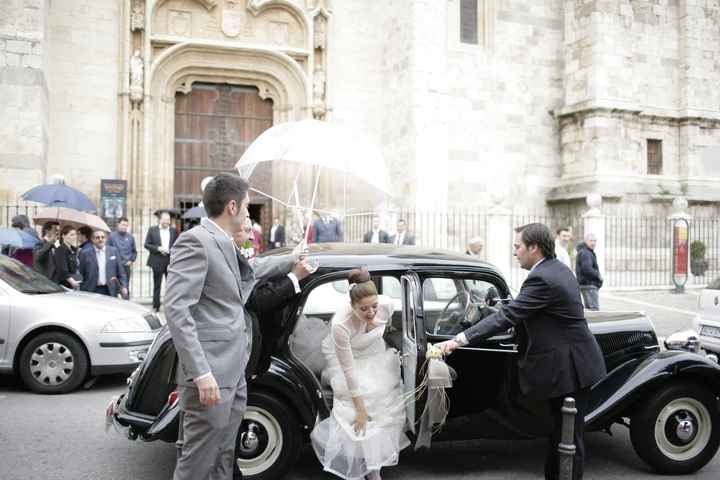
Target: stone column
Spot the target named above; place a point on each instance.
(24, 93)
(498, 244)
(594, 222)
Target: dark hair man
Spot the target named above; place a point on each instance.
(158, 241)
(402, 237)
(84, 238)
(123, 240)
(588, 272)
(208, 284)
(43, 253)
(276, 236)
(101, 268)
(376, 234)
(562, 240)
(559, 355)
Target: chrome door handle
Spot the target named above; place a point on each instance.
(513, 345)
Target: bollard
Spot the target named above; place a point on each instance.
(566, 447)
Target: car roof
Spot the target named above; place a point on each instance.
(341, 256)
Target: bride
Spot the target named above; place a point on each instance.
(365, 430)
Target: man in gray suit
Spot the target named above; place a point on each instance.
(208, 284)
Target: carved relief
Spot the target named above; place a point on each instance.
(179, 22)
(320, 32)
(137, 15)
(319, 109)
(279, 33)
(137, 75)
(232, 22)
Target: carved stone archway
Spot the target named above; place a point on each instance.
(275, 74)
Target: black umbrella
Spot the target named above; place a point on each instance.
(60, 195)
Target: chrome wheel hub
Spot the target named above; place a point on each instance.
(683, 429)
(52, 364)
(259, 441)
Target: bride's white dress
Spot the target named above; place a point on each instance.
(359, 363)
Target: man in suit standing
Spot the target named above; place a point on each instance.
(402, 237)
(158, 241)
(44, 252)
(559, 355)
(101, 268)
(123, 240)
(588, 272)
(208, 285)
(376, 235)
(327, 229)
(276, 237)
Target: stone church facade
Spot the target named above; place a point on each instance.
(521, 103)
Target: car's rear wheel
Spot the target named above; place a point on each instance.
(53, 362)
(678, 431)
(269, 439)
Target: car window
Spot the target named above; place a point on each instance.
(24, 279)
(451, 305)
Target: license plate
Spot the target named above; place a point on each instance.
(710, 331)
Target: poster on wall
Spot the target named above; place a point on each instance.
(113, 200)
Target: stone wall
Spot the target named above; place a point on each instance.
(23, 96)
(82, 71)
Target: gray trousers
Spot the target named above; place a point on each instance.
(590, 294)
(209, 434)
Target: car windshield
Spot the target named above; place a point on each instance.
(24, 279)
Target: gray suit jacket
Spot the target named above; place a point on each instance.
(208, 284)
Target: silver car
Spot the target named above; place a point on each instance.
(54, 338)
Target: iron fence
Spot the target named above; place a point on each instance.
(637, 250)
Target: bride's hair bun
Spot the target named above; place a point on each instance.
(361, 285)
(359, 275)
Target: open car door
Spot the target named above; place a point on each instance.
(413, 347)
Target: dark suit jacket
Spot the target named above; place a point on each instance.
(409, 239)
(44, 258)
(559, 354)
(327, 232)
(114, 272)
(66, 263)
(157, 260)
(382, 236)
(279, 237)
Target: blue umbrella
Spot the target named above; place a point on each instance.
(195, 212)
(60, 195)
(17, 238)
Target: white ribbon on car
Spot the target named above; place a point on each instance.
(436, 377)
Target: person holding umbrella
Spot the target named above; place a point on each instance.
(43, 253)
(159, 240)
(66, 262)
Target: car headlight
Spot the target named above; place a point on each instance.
(126, 325)
(686, 340)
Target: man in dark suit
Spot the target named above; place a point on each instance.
(376, 235)
(327, 229)
(43, 252)
(158, 241)
(560, 356)
(101, 268)
(276, 236)
(402, 237)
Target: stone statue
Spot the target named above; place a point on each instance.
(319, 85)
(137, 73)
(320, 32)
(137, 15)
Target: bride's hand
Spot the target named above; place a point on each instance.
(360, 421)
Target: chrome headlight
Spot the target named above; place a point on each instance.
(126, 325)
(686, 340)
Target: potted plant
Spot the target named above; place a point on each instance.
(698, 264)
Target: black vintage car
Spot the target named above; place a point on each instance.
(668, 399)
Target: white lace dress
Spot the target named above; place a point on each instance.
(359, 363)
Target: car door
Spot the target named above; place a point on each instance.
(484, 370)
(4, 324)
(413, 346)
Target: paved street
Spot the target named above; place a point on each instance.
(62, 437)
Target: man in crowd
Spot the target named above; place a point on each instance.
(562, 241)
(559, 355)
(101, 268)
(327, 229)
(43, 253)
(588, 272)
(84, 238)
(402, 237)
(376, 234)
(159, 240)
(125, 244)
(475, 247)
(276, 237)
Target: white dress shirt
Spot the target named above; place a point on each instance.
(165, 238)
(273, 229)
(102, 267)
(399, 238)
(375, 236)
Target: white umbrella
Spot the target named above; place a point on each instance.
(70, 216)
(320, 144)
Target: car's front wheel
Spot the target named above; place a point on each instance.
(269, 439)
(678, 431)
(53, 362)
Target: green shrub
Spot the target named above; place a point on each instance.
(697, 250)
